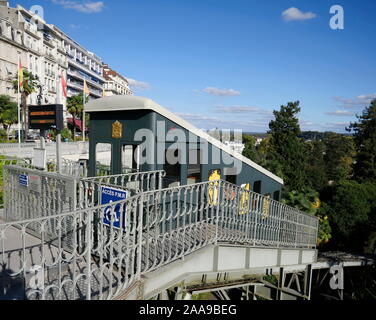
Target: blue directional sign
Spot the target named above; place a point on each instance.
(23, 180)
(110, 195)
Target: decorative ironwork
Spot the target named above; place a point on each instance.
(77, 255)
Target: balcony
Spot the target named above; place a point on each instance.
(75, 85)
(86, 69)
(50, 57)
(49, 42)
(81, 77)
(63, 64)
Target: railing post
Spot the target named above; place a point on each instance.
(296, 227)
(88, 253)
(279, 225)
(220, 192)
(140, 221)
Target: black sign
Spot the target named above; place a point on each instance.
(46, 117)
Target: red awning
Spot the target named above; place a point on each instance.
(77, 123)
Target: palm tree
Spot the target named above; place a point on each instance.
(8, 112)
(30, 83)
(75, 106)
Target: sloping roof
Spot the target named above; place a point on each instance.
(119, 103)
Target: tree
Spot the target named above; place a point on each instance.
(8, 113)
(250, 151)
(29, 85)
(287, 148)
(351, 207)
(308, 201)
(339, 156)
(75, 106)
(365, 142)
(315, 169)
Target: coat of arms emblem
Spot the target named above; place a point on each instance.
(117, 130)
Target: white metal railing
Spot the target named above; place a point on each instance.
(113, 245)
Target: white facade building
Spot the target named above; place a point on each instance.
(83, 65)
(40, 49)
(49, 53)
(115, 83)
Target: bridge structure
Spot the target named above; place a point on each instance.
(61, 238)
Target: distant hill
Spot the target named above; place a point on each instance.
(306, 135)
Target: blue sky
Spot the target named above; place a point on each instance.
(229, 63)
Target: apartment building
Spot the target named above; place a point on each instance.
(40, 49)
(83, 65)
(115, 83)
(49, 53)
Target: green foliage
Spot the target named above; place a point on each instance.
(339, 156)
(365, 141)
(3, 135)
(8, 112)
(308, 201)
(66, 134)
(325, 229)
(287, 149)
(250, 150)
(316, 165)
(351, 207)
(30, 83)
(75, 106)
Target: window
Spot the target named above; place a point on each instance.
(194, 167)
(130, 156)
(231, 179)
(103, 159)
(276, 196)
(172, 169)
(257, 186)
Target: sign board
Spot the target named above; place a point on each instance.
(40, 159)
(46, 117)
(113, 214)
(35, 183)
(23, 180)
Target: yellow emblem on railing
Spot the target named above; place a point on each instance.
(215, 175)
(244, 199)
(266, 207)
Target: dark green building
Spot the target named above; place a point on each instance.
(144, 136)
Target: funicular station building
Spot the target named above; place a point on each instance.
(175, 213)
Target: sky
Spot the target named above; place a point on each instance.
(229, 63)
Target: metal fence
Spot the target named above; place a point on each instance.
(38, 194)
(133, 183)
(153, 229)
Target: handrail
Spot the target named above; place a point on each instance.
(146, 231)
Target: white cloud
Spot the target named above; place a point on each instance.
(341, 113)
(221, 92)
(236, 109)
(294, 14)
(243, 110)
(81, 6)
(209, 122)
(335, 126)
(361, 101)
(138, 85)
